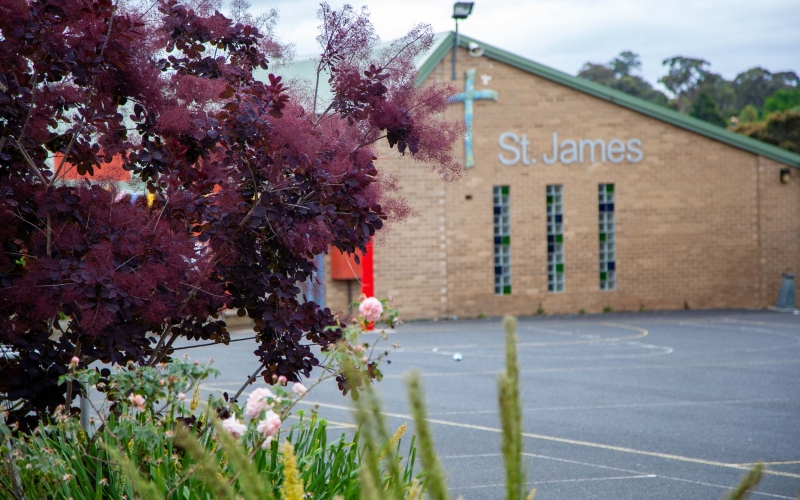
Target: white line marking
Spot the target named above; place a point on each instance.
(763, 323)
(722, 486)
(630, 405)
(546, 457)
(610, 368)
(638, 473)
(642, 333)
(745, 329)
(790, 462)
(576, 442)
(552, 481)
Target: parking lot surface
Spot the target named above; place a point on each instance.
(674, 405)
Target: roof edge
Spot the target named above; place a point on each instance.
(614, 96)
(435, 58)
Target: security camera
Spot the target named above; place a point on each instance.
(475, 50)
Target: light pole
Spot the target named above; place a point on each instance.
(461, 10)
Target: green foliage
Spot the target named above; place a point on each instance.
(783, 100)
(748, 483)
(437, 488)
(706, 109)
(607, 309)
(582, 311)
(749, 114)
(540, 310)
(780, 128)
(154, 447)
(511, 415)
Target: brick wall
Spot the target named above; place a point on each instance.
(688, 215)
(779, 227)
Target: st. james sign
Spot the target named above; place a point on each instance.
(516, 149)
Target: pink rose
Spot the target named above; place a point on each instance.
(371, 309)
(258, 402)
(137, 400)
(270, 425)
(234, 427)
(181, 396)
(74, 361)
(299, 389)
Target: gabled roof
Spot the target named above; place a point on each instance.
(304, 68)
(443, 45)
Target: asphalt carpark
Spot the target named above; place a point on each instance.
(616, 406)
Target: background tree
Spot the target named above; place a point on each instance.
(618, 74)
(249, 184)
(748, 114)
(709, 96)
(756, 84)
(783, 100)
(721, 91)
(683, 79)
(705, 109)
(625, 63)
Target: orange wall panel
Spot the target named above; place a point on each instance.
(344, 266)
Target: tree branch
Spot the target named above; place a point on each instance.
(33, 103)
(250, 380)
(256, 195)
(75, 352)
(367, 143)
(29, 161)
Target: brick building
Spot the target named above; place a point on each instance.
(582, 198)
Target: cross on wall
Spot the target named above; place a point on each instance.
(469, 96)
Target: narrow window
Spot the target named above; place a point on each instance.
(502, 241)
(555, 239)
(608, 245)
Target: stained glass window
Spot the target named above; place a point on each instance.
(555, 239)
(502, 241)
(608, 245)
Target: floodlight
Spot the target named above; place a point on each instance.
(462, 10)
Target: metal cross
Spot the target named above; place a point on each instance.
(468, 97)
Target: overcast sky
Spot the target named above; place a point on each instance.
(734, 35)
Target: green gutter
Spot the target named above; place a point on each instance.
(614, 96)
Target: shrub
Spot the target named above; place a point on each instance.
(250, 180)
(156, 447)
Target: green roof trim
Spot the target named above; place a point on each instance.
(608, 94)
(435, 57)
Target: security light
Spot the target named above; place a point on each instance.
(786, 174)
(462, 10)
